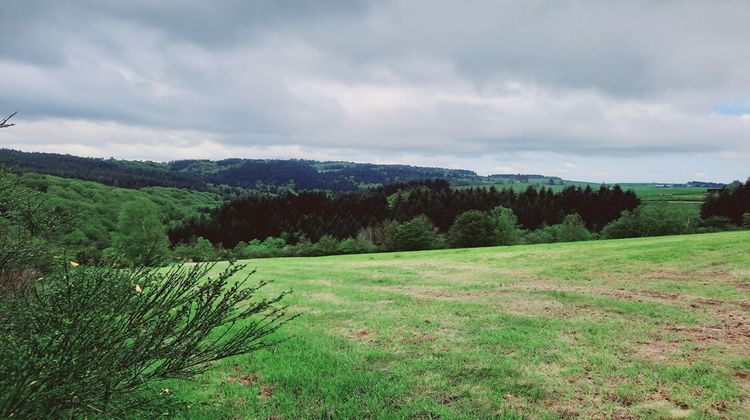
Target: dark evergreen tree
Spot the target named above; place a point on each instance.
(732, 201)
(343, 215)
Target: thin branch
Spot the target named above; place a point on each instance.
(4, 123)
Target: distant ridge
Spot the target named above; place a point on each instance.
(236, 176)
(267, 175)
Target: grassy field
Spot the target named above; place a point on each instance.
(682, 195)
(687, 199)
(625, 328)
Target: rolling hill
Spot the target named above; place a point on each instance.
(648, 327)
(233, 176)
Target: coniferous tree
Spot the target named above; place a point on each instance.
(347, 214)
(732, 201)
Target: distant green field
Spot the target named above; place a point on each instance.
(673, 195)
(647, 192)
(523, 186)
(650, 327)
(685, 200)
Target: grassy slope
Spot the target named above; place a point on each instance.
(638, 327)
(96, 206)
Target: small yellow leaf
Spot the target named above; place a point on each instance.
(74, 264)
(138, 289)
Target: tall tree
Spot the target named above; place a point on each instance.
(472, 228)
(505, 224)
(141, 237)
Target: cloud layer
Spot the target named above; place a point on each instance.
(586, 90)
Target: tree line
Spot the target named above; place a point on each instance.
(229, 177)
(234, 177)
(311, 215)
(731, 202)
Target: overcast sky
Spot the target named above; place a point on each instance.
(596, 91)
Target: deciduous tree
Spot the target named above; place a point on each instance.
(141, 237)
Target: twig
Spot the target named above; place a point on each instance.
(4, 123)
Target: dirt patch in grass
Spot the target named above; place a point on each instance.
(728, 326)
(584, 405)
(320, 282)
(242, 378)
(465, 276)
(655, 296)
(419, 339)
(732, 328)
(513, 300)
(265, 391)
(658, 349)
(635, 295)
(441, 293)
(523, 304)
(440, 270)
(732, 316)
(245, 379)
(671, 274)
(658, 405)
(327, 297)
(361, 335)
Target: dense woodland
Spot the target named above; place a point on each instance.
(314, 214)
(732, 201)
(116, 173)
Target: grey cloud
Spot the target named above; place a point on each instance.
(474, 78)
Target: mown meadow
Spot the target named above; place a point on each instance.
(656, 327)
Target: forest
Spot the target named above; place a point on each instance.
(314, 214)
(732, 201)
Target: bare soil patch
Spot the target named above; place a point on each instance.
(732, 328)
(442, 293)
(321, 282)
(327, 297)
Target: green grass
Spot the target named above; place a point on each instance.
(684, 200)
(671, 195)
(650, 327)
